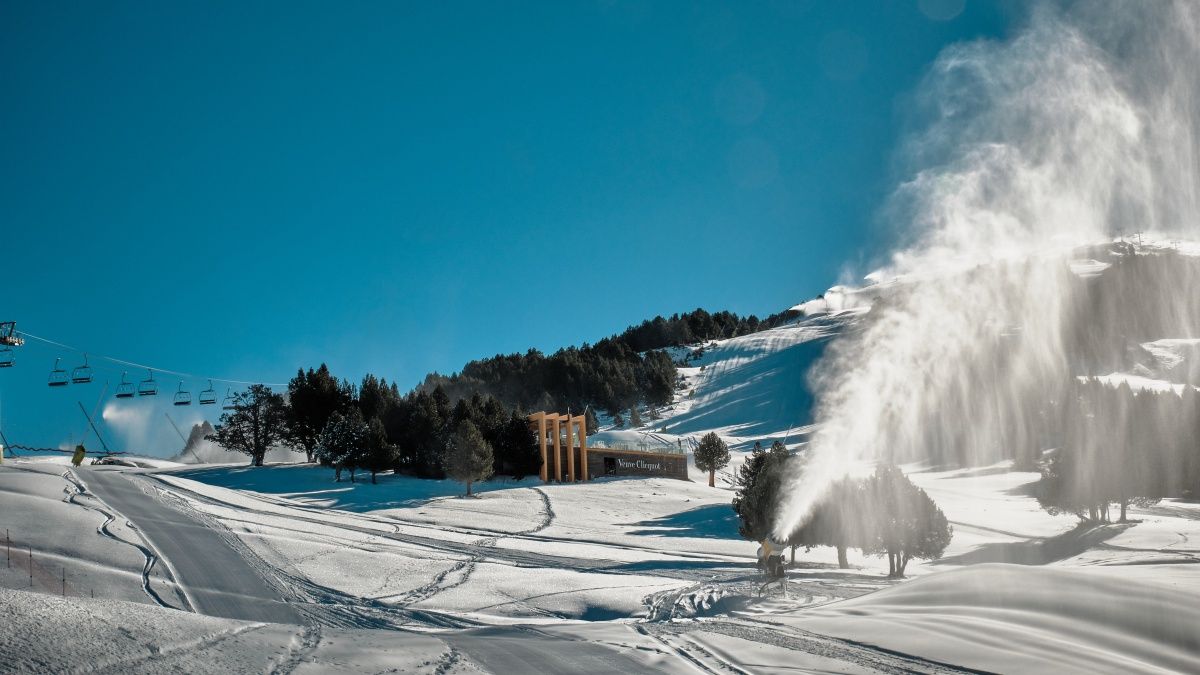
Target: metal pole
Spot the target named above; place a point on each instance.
(182, 437)
(31, 565)
(95, 409)
(93, 426)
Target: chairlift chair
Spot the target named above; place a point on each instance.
(8, 334)
(125, 388)
(58, 376)
(229, 402)
(208, 396)
(148, 386)
(183, 397)
(82, 374)
(7, 357)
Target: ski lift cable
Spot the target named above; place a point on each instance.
(141, 366)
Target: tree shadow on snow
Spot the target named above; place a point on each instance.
(714, 521)
(666, 566)
(1040, 551)
(314, 486)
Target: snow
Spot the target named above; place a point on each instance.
(650, 570)
(1139, 382)
(649, 574)
(63, 532)
(1088, 268)
(753, 387)
(499, 541)
(1007, 618)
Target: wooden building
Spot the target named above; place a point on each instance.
(566, 457)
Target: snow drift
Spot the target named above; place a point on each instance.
(1012, 618)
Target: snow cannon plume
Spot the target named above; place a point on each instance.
(1081, 128)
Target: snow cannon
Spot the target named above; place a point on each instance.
(770, 558)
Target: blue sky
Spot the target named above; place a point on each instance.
(239, 189)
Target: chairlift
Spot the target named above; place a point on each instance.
(148, 387)
(208, 396)
(58, 376)
(8, 334)
(7, 357)
(82, 374)
(230, 401)
(125, 388)
(183, 397)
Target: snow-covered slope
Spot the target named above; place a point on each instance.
(758, 387)
(624, 575)
(754, 387)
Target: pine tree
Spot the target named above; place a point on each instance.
(516, 449)
(344, 442)
(469, 456)
(757, 496)
(906, 524)
(839, 520)
(380, 455)
(258, 421)
(712, 455)
(312, 397)
(635, 418)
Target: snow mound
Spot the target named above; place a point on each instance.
(1010, 618)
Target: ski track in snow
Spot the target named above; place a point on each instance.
(796, 640)
(76, 488)
(461, 571)
(326, 606)
(302, 645)
(157, 653)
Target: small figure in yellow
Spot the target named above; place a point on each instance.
(80, 452)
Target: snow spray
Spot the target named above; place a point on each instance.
(1079, 129)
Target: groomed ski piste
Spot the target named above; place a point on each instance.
(221, 567)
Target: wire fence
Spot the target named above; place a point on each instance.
(42, 574)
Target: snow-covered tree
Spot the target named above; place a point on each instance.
(469, 456)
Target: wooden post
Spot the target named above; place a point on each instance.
(583, 458)
(570, 453)
(541, 443)
(557, 449)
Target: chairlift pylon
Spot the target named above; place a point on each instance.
(7, 357)
(82, 374)
(182, 397)
(229, 402)
(208, 396)
(58, 376)
(148, 386)
(125, 388)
